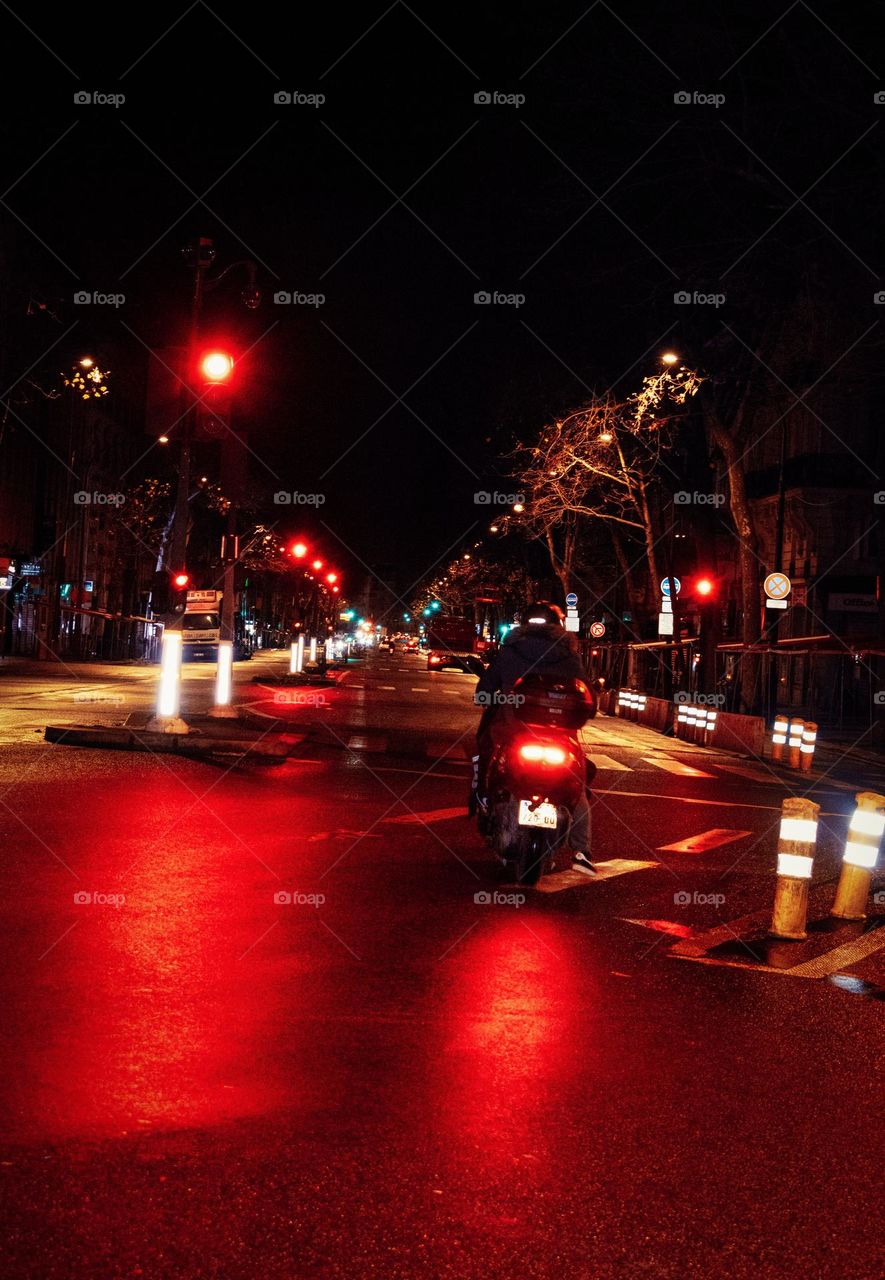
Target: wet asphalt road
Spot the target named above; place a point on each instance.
(381, 1076)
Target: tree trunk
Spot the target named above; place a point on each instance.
(748, 565)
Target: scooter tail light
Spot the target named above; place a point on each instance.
(538, 753)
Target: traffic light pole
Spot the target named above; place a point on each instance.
(178, 551)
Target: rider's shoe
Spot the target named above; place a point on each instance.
(582, 863)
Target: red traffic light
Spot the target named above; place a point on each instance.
(704, 586)
(181, 579)
(216, 366)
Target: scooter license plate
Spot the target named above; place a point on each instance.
(543, 815)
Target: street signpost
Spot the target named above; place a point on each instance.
(571, 600)
(777, 587)
(597, 630)
(665, 587)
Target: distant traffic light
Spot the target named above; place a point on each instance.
(704, 587)
(181, 580)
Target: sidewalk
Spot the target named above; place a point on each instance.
(618, 731)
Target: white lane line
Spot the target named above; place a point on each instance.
(841, 957)
(389, 688)
(749, 773)
(606, 762)
(420, 691)
(360, 743)
(606, 871)
(676, 766)
(720, 804)
(711, 839)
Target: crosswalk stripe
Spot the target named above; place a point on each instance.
(606, 762)
(676, 766)
(711, 839)
(605, 871)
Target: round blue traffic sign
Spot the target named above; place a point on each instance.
(665, 586)
(571, 599)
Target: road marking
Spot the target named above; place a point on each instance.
(711, 839)
(749, 773)
(361, 743)
(676, 766)
(606, 871)
(431, 815)
(420, 691)
(662, 926)
(390, 688)
(606, 762)
(842, 957)
(722, 804)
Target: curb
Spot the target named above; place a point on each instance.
(123, 739)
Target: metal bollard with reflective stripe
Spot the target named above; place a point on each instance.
(806, 750)
(861, 854)
(710, 727)
(779, 738)
(795, 860)
(794, 742)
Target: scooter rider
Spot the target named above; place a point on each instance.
(540, 645)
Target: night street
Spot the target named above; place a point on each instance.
(385, 1076)
(442, 641)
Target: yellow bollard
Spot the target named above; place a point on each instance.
(795, 859)
(794, 742)
(779, 738)
(860, 856)
(809, 741)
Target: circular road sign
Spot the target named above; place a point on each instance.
(777, 586)
(571, 599)
(597, 630)
(665, 586)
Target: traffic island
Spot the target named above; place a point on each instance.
(206, 737)
(316, 679)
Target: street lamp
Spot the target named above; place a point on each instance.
(669, 357)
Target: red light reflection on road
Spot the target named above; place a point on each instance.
(512, 1001)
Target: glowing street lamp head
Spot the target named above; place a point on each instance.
(704, 587)
(518, 507)
(331, 577)
(669, 357)
(216, 366)
(317, 564)
(299, 550)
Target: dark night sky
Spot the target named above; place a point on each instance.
(503, 199)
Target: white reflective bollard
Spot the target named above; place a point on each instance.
(167, 719)
(313, 651)
(224, 682)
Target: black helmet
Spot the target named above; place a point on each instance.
(542, 614)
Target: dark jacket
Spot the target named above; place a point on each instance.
(548, 650)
